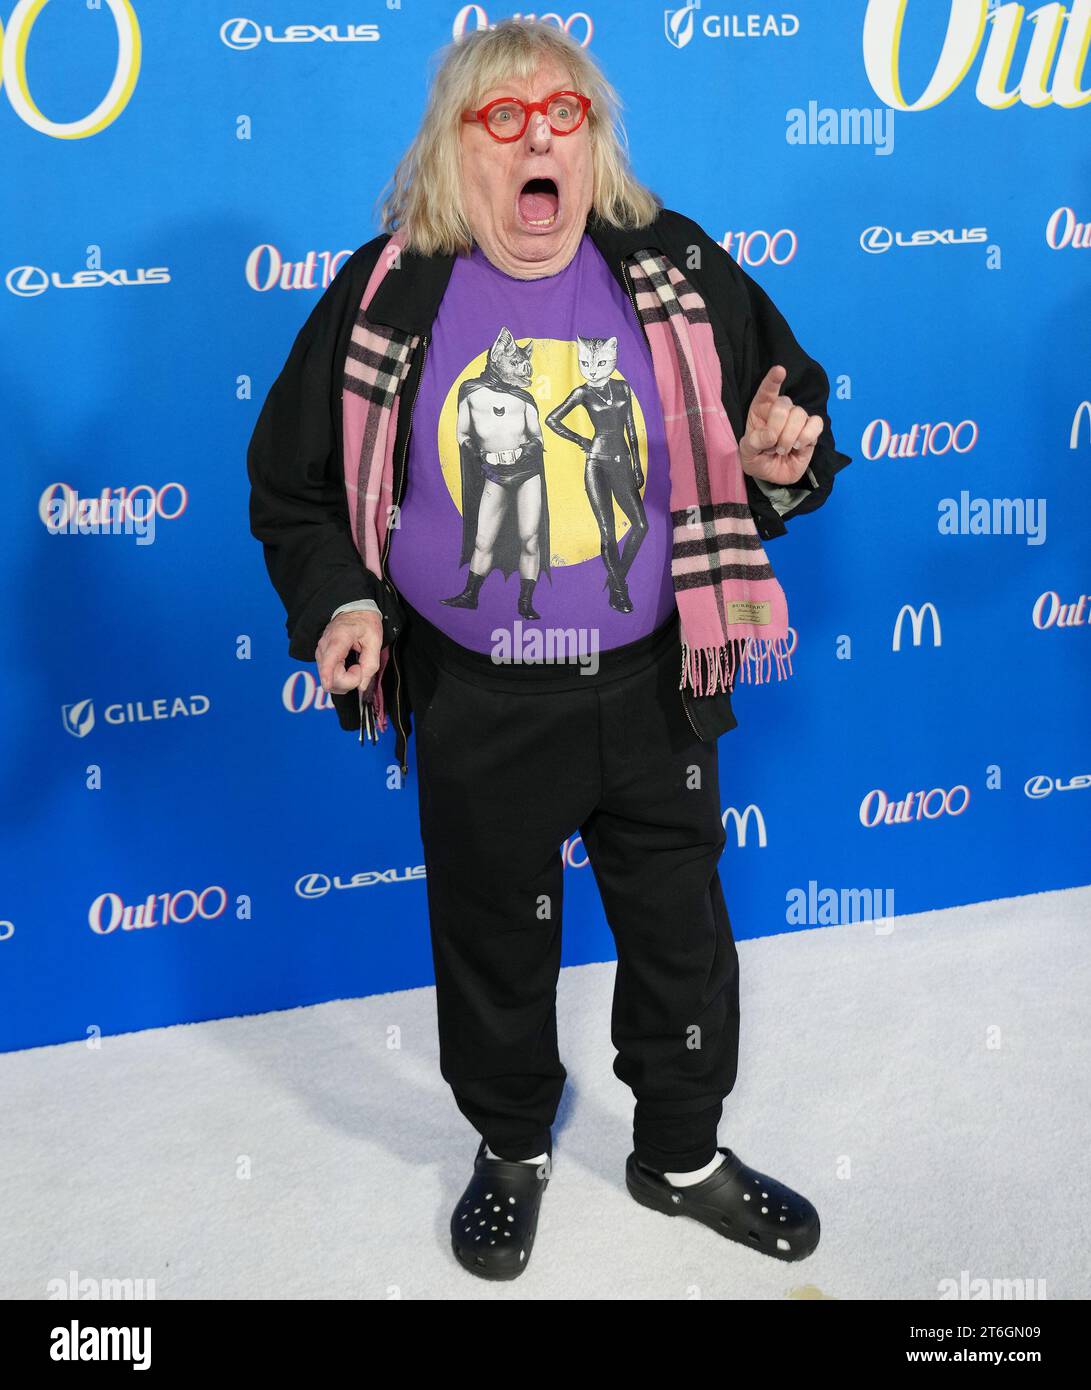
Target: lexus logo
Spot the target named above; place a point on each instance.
(27, 281)
(242, 34)
(318, 885)
(1042, 784)
(877, 239)
(313, 885)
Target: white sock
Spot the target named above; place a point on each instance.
(540, 1159)
(688, 1179)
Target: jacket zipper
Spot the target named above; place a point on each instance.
(636, 311)
(692, 725)
(632, 298)
(399, 489)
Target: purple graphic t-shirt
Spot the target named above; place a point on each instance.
(537, 490)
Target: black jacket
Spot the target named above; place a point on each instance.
(298, 508)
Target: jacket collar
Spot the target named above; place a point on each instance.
(409, 300)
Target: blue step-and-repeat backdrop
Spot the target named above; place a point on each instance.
(188, 833)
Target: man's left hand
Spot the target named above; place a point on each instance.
(780, 437)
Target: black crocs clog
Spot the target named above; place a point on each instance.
(739, 1202)
(494, 1224)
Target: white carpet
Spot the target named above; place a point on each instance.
(927, 1089)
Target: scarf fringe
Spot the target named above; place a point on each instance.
(751, 659)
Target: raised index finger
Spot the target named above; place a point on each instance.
(770, 386)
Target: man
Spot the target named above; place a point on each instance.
(515, 212)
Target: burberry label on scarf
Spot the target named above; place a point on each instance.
(748, 611)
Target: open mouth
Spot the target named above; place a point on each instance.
(538, 202)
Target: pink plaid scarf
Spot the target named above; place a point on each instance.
(732, 611)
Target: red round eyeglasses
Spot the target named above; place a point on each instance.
(506, 118)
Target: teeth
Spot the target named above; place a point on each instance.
(542, 221)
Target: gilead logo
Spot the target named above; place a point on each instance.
(78, 718)
(878, 809)
(679, 25)
(1053, 25)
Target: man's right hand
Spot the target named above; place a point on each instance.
(360, 632)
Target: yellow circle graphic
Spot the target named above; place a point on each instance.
(573, 531)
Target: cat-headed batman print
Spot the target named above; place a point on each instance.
(550, 452)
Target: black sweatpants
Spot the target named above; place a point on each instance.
(511, 763)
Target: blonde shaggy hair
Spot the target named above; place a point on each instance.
(424, 196)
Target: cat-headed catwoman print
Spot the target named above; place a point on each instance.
(505, 485)
(612, 472)
(537, 484)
